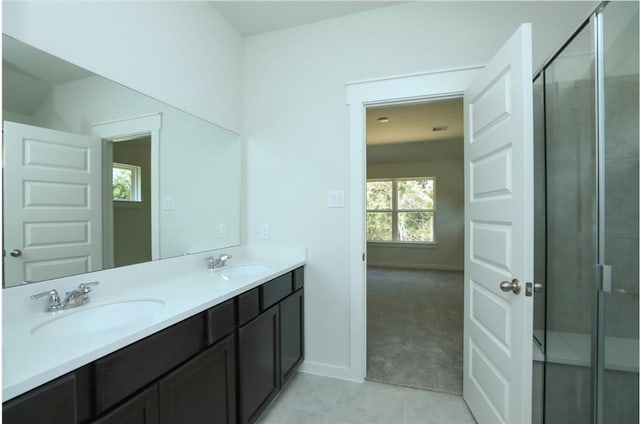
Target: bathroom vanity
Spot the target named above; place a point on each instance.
(220, 361)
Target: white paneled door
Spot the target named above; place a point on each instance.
(52, 203)
(499, 236)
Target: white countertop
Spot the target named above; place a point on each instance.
(184, 284)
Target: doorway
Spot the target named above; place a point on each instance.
(415, 244)
(131, 200)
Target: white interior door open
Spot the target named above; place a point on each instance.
(52, 204)
(498, 318)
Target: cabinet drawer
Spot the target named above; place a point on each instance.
(51, 403)
(123, 372)
(221, 320)
(275, 290)
(248, 306)
(298, 278)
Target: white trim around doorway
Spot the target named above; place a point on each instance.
(360, 95)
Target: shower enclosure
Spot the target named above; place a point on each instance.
(586, 225)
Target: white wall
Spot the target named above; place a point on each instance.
(295, 123)
(448, 252)
(182, 53)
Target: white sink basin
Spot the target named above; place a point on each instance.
(89, 319)
(238, 271)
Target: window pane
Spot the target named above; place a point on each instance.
(415, 226)
(122, 183)
(379, 194)
(415, 194)
(379, 226)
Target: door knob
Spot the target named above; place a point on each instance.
(15, 253)
(513, 286)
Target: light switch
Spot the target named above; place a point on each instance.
(167, 203)
(223, 230)
(336, 198)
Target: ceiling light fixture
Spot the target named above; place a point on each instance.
(383, 119)
(440, 128)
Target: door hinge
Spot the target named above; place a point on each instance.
(364, 257)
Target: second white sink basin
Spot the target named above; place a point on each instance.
(238, 271)
(90, 319)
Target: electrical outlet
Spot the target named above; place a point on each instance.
(265, 232)
(167, 203)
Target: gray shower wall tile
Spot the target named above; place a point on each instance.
(570, 121)
(621, 122)
(621, 196)
(621, 315)
(621, 252)
(620, 397)
(570, 282)
(568, 394)
(571, 189)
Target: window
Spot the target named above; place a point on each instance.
(401, 210)
(126, 182)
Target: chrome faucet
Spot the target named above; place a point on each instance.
(77, 297)
(219, 262)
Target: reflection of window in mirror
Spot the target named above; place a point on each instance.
(126, 182)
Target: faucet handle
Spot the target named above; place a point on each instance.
(84, 287)
(53, 303)
(51, 293)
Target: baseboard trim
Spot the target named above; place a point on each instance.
(416, 266)
(328, 370)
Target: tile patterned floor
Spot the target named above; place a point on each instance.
(311, 399)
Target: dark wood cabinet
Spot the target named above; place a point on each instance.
(258, 364)
(140, 409)
(291, 334)
(202, 391)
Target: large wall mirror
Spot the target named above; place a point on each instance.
(97, 175)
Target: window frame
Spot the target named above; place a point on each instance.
(395, 212)
(136, 181)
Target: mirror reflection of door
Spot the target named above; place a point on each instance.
(131, 200)
(52, 209)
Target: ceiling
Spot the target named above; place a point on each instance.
(29, 75)
(258, 17)
(415, 122)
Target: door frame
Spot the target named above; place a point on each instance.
(133, 127)
(428, 86)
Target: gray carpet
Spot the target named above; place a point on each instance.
(414, 328)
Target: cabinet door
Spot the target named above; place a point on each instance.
(51, 403)
(140, 409)
(258, 364)
(124, 372)
(291, 334)
(203, 389)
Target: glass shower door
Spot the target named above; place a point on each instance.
(618, 373)
(571, 229)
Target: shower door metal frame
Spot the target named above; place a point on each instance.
(603, 271)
